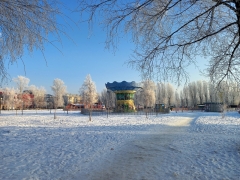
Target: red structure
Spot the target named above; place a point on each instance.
(75, 107)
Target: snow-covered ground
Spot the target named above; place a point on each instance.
(188, 145)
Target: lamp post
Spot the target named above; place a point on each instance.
(1, 105)
(22, 106)
(108, 98)
(47, 102)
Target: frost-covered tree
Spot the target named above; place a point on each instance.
(169, 35)
(182, 101)
(233, 94)
(177, 100)
(161, 94)
(5, 98)
(170, 94)
(211, 92)
(38, 96)
(59, 89)
(205, 91)
(148, 94)
(104, 96)
(88, 93)
(9, 94)
(138, 99)
(21, 83)
(158, 93)
(108, 98)
(200, 94)
(193, 93)
(186, 96)
(11, 99)
(25, 25)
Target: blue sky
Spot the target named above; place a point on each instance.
(80, 55)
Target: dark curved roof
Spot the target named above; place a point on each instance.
(119, 86)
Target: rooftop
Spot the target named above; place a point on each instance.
(120, 86)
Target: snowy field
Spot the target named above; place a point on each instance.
(188, 145)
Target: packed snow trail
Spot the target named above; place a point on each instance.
(181, 150)
(144, 158)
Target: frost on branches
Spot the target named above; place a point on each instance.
(169, 35)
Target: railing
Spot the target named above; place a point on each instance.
(106, 112)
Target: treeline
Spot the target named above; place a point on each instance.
(25, 96)
(151, 93)
(191, 95)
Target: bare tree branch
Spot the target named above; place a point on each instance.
(170, 34)
(26, 25)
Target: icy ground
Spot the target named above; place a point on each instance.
(189, 145)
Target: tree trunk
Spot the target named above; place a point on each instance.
(55, 114)
(22, 108)
(107, 111)
(90, 114)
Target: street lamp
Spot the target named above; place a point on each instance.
(1, 105)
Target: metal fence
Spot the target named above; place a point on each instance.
(111, 112)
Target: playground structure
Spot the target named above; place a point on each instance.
(124, 95)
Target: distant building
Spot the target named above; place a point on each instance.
(27, 98)
(72, 99)
(23, 100)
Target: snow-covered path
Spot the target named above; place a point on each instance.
(144, 157)
(175, 152)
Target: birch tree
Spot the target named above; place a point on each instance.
(170, 94)
(182, 101)
(161, 94)
(59, 89)
(205, 91)
(193, 93)
(186, 95)
(158, 93)
(88, 93)
(169, 35)
(212, 93)
(199, 86)
(108, 98)
(138, 99)
(233, 94)
(177, 100)
(12, 96)
(148, 94)
(104, 97)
